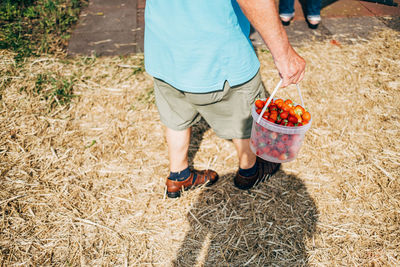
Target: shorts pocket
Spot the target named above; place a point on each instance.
(253, 89)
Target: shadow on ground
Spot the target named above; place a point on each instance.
(264, 226)
(198, 131)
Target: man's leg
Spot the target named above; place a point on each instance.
(247, 158)
(178, 147)
(231, 118)
(252, 169)
(181, 176)
(176, 112)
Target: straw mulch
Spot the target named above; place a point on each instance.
(83, 184)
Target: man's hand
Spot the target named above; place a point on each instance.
(291, 68)
(263, 15)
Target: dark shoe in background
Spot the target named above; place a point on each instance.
(286, 19)
(313, 21)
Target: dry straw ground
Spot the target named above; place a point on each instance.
(83, 185)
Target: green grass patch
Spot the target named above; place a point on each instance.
(33, 27)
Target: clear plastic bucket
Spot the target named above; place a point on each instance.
(274, 142)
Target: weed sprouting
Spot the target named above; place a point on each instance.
(147, 97)
(55, 90)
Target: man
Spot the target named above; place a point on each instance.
(203, 63)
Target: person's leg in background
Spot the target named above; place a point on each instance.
(286, 11)
(313, 9)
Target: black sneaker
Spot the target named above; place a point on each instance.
(264, 171)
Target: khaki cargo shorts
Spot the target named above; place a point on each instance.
(228, 112)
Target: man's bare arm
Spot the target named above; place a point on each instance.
(264, 17)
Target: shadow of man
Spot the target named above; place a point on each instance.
(263, 226)
(198, 131)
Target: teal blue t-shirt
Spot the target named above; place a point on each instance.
(197, 45)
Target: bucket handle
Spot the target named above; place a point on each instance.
(272, 96)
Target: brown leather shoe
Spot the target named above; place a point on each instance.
(195, 178)
(265, 170)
